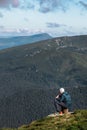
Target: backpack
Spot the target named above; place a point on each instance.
(67, 98)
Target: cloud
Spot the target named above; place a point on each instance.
(4, 3)
(44, 6)
(45, 10)
(51, 5)
(26, 19)
(22, 4)
(15, 3)
(1, 27)
(7, 3)
(55, 25)
(48, 5)
(23, 30)
(13, 30)
(25, 4)
(1, 15)
(83, 4)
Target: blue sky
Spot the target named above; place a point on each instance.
(56, 17)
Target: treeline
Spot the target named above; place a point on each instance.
(26, 105)
(30, 76)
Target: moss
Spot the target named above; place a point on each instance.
(75, 121)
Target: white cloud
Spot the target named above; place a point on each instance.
(1, 15)
(52, 16)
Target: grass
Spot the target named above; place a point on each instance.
(75, 121)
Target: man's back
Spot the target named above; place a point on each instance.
(66, 98)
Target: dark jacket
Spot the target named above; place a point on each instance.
(65, 98)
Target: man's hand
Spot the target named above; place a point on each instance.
(57, 96)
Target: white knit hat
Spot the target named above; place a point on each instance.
(62, 90)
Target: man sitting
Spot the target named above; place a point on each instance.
(62, 101)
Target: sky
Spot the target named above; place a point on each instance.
(55, 17)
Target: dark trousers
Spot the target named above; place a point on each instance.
(60, 106)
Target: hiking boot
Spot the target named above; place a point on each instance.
(65, 111)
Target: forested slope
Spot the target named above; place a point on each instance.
(30, 76)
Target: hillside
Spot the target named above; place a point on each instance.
(7, 42)
(75, 121)
(31, 74)
(48, 63)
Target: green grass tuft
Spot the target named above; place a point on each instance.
(74, 121)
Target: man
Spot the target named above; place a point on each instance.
(62, 101)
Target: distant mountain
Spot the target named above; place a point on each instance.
(30, 76)
(20, 40)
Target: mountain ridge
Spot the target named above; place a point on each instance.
(74, 121)
(21, 40)
(30, 76)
